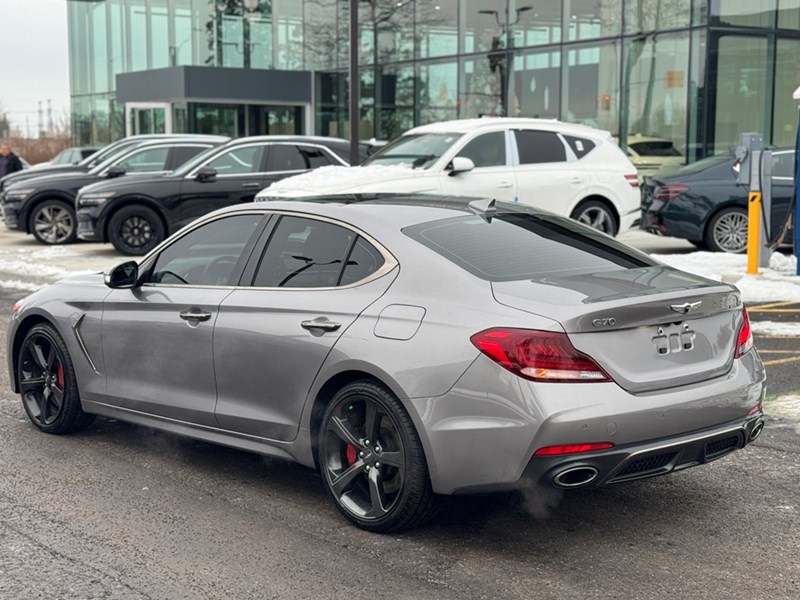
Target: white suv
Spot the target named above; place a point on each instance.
(571, 170)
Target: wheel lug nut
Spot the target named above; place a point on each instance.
(366, 468)
(361, 455)
(377, 465)
(366, 442)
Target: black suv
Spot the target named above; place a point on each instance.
(136, 215)
(45, 205)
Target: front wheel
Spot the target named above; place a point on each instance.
(53, 222)
(135, 230)
(596, 215)
(371, 460)
(727, 231)
(47, 383)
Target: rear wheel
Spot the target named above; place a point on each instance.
(727, 231)
(596, 215)
(135, 230)
(47, 383)
(372, 462)
(53, 222)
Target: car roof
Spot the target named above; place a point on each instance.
(489, 123)
(314, 139)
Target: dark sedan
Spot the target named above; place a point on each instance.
(135, 216)
(45, 206)
(704, 204)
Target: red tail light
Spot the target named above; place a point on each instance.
(669, 192)
(745, 341)
(538, 355)
(633, 180)
(572, 449)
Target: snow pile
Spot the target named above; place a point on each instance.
(776, 283)
(775, 328)
(334, 179)
(787, 407)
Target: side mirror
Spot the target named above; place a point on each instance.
(460, 164)
(205, 174)
(116, 171)
(122, 276)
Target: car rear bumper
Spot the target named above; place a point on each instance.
(482, 435)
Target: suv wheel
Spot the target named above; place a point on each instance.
(135, 230)
(53, 222)
(596, 215)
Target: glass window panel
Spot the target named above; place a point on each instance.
(537, 84)
(437, 28)
(739, 85)
(159, 35)
(239, 161)
(536, 147)
(116, 36)
(137, 18)
(99, 45)
(483, 25)
(539, 25)
(648, 15)
(787, 78)
(789, 14)
(487, 150)
(696, 144)
(322, 37)
(232, 41)
(480, 92)
(438, 92)
(749, 13)
(656, 77)
(207, 255)
(587, 19)
(146, 161)
(304, 253)
(364, 260)
(288, 18)
(700, 12)
(261, 53)
(181, 52)
(590, 86)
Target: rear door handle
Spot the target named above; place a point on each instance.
(321, 323)
(576, 180)
(251, 185)
(194, 314)
(504, 184)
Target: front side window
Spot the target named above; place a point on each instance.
(146, 161)
(306, 253)
(207, 255)
(487, 150)
(539, 147)
(239, 161)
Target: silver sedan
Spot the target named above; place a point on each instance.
(406, 347)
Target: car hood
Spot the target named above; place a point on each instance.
(371, 178)
(28, 174)
(130, 181)
(59, 180)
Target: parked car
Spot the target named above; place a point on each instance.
(704, 204)
(135, 216)
(405, 346)
(571, 170)
(89, 163)
(45, 206)
(650, 154)
(69, 156)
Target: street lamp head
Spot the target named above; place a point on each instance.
(796, 94)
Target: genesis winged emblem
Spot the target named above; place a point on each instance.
(685, 307)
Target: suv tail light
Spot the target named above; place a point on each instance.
(538, 355)
(633, 180)
(745, 340)
(669, 192)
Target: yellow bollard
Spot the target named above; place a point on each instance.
(753, 231)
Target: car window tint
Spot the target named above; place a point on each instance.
(517, 245)
(539, 147)
(487, 150)
(145, 161)
(304, 253)
(655, 148)
(238, 161)
(363, 261)
(207, 255)
(783, 165)
(181, 154)
(315, 157)
(580, 146)
(288, 157)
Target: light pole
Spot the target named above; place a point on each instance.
(796, 96)
(354, 82)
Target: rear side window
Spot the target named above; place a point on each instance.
(518, 245)
(580, 146)
(288, 157)
(539, 147)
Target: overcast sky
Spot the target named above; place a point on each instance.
(33, 58)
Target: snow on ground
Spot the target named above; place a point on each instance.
(777, 283)
(787, 407)
(775, 328)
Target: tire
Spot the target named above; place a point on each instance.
(135, 230)
(53, 222)
(596, 215)
(727, 231)
(47, 383)
(379, 484)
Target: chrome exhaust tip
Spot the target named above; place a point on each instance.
(756, 431)
(576, 477)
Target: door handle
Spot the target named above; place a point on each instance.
(194, 314)
(576, 180)
(321, 323)
(504, 184)
(252, 185)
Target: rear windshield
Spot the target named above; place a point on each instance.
(518, 245)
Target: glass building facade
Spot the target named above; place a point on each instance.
(694, 72)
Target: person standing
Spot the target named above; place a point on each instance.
(9, 162)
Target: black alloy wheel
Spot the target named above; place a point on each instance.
(135, 230)
(47, 383)
(53, 222)
(596, 215)
(372, 461)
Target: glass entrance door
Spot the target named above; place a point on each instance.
(276, 120)
(148, 118)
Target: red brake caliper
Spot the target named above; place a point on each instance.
(60, 376)
(350, 454)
